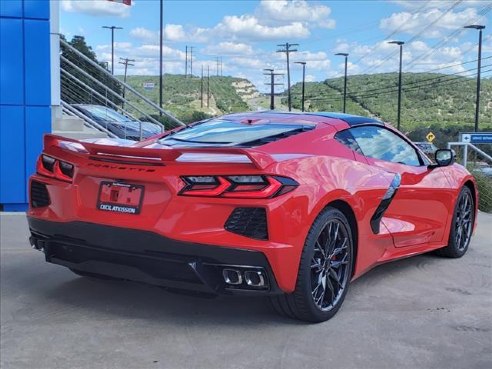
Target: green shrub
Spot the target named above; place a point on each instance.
(484, 184)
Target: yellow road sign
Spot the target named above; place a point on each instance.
(430, 137)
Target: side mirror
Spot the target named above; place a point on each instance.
(443, 158)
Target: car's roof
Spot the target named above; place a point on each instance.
(339, 120)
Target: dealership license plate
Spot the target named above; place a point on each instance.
(120, 197)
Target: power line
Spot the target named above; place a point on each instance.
(186, 61)
(365, 94)
(287, 50)
(272, 85)
(126, 62)
(201, 89)
(191, 61)
(208, 86)
(422, 80)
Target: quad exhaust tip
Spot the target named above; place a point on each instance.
(232, 276)
(36, 245)
(244, 278)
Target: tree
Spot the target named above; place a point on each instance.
(74, 92)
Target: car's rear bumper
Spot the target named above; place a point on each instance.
(147, 257)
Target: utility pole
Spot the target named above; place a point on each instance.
(344, 82)
(221, 74)
(160, 54)
(272, 85)
(477, 103)
(126, 62)
(208, 86)
(201, 90)
(186, 61)
(399, 43)
(217, 60)
(303, 82)
(191, 61)
(112, 28)
(286, 48)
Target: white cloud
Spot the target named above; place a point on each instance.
(117, 45)
(418, 56)
(440, 4)
(487, 44)
(314, 60)
(272, 20)
(434, 22)
(174, 32)
(310, 78)
(229, 48)
(142, 33)
(249, 27)
(250, 63)
(96, 7)
(153, 51)
(283, 11)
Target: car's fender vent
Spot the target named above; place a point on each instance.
(39, 195)
(249, 222)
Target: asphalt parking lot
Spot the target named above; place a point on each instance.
(422, 312)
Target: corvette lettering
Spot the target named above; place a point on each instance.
(118, 167)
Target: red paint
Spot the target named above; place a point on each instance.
(417, 220)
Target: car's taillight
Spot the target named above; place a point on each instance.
(54, 168)
(240, 186)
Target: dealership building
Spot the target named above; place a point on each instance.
(29, 89)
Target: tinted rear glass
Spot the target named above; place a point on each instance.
(224, 132)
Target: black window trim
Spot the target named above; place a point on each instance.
(422, 160)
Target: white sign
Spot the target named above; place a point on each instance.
(148, 85)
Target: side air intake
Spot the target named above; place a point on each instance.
(249, 222)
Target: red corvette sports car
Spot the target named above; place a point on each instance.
(287, 205)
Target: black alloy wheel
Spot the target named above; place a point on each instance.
(330, 265)
(461, 226)
(324, 272)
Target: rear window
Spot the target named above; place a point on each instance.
(227, 133)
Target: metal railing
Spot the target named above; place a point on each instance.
(466, 149)
(88, 122)
(479, 163)
(83, 81)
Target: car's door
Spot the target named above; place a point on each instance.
(418, 211)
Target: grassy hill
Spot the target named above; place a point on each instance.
(182, 95)
(430, 101)
(433, 102)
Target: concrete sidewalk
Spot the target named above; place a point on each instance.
(422, 312)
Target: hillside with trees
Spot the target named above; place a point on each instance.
(182, 94)
(441, 103)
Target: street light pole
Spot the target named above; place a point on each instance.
(477, 104)
(112, 28)
(399, 43)
(303, 82)
(344, 82)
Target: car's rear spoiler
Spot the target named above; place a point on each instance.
(258, 158)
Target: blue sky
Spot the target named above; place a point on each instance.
(245, 33)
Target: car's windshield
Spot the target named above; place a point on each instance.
(106, 113)
(224, 132)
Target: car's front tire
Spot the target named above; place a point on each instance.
(461, 226)
(324, 273)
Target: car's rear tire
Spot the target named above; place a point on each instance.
(324, 273)
(92, 275)
(461, 226)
